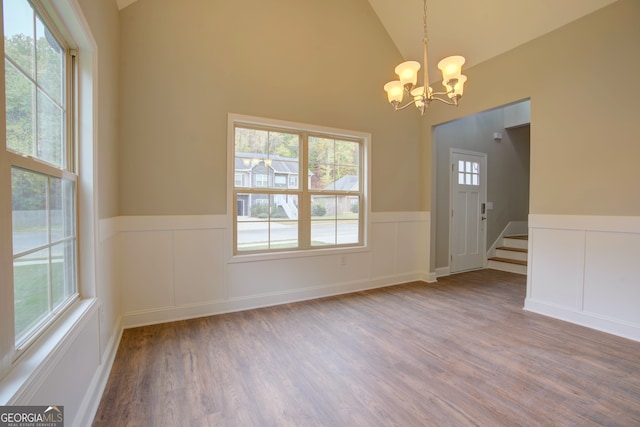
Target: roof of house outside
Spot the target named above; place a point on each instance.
(347, 183)
(279, 164)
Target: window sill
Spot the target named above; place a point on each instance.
(40, 358)
(307, 253)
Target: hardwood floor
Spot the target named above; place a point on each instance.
(455, 353)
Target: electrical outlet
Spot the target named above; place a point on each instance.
(343, 260)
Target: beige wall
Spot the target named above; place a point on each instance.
(584, 111)
(186, 65)
(103, 19)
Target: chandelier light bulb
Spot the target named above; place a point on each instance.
(451, 67)
(395, 91)
(408, 72)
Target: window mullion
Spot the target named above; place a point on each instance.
(304, 214)
(49, 238)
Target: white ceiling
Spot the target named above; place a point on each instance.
(475, 29)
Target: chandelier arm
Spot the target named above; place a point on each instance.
(402, 107)
(444, 101)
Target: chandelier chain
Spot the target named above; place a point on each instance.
(424, 20)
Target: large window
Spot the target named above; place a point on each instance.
(306, 188)
(39, 152)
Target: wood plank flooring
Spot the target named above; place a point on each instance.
(455, 353)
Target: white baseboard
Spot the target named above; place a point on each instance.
(171, 314)
(443, 271)
(584, 270)
(91, 401)
(430, 277)
(589, 320)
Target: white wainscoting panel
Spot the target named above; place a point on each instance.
(613, 292)
(557, 266)
(146, 270)
(586, 270)
(199, 266)
(384, 237)
(178, 267)
(412, 251)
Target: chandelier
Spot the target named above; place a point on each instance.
(421, 96)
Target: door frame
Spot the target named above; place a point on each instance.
(483, 201)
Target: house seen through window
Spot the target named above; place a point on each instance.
(299, 190)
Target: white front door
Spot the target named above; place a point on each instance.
(468, 213)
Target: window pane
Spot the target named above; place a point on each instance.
(267, 159)
(20, 102)
(348, 219)
(252, 235)
(347, 179)
(347, 153)
(267, 221)
(29, 205)
(284, 206)
(323, 232)
(19, 34)
(50, 131)
(321, 163)
(322, 176)
(323, 223)
(333, 164)
(348, 231)
(31, 291)
(50, 60)
(251, 141)
(284, 146)
(62, 208)
(43, 77)
(63, 276)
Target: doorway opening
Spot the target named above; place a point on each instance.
(503, 136)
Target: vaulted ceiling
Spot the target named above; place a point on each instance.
(475, 29)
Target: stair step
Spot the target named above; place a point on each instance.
(512, 253)
(508, 260)
(519, 242)
(518, 237)
(504, 264)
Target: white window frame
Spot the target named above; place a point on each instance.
(16, 366)
(309, 129)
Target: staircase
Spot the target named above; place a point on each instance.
(512, 255)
